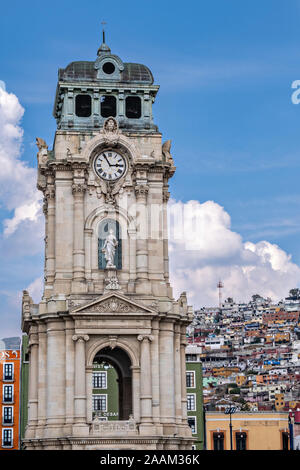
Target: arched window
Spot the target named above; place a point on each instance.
(104, 228)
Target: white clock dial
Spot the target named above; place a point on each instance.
(110, 165)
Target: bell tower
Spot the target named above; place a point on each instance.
(107, 297)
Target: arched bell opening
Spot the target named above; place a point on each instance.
(112, 384)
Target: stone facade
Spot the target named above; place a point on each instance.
(128, 315)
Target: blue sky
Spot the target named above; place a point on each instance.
(225, 69)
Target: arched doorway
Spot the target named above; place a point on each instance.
(112, 384)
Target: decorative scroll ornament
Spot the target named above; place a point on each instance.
(112, 283)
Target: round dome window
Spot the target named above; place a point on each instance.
(108, 68)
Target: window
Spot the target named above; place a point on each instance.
(218, 440)
(190, 379)
(191, 357)
(240, 440)
(191, 401)
(133, 107)
(7, 415)
(7, 393)
(83, 105)
(192, 424)
(285, 441)
(99, 380)
(8, 373)
(7, 438)
(108, 67)
(99, 402)
(108, 106)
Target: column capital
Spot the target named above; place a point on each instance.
(79, 188)
(49, 192)
(141, 191)
(80, 338)
(145, 337)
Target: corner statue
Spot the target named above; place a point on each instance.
(109, 249)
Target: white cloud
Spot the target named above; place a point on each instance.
(18, 191)
(204, 249)
(35, 289)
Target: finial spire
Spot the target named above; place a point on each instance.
(103, 48)
(103, 31)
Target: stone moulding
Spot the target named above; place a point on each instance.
(69, 442)
(113, 428)
(112, 303)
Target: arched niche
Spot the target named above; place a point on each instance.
(127, 233)
(104, 228)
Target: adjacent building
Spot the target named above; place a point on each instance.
(250, 431)
(9, 392)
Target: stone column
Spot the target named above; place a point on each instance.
(155, 373)
(88, 234)
(166, 196)
(70, 366)
(78, 189)
(146, 386)
(80, 420)
(136, 395)
(89, 394)
(33, 384)
(56, 380)
(132, 259)
(142, 283)
(177, 368)
(50, 236)
(166, 376)
(183, 343)
(42, 368)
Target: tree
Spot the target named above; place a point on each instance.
(295, 293)
(256, 297)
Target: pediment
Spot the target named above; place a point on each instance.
(113, 303)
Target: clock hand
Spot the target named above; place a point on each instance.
(106, 159)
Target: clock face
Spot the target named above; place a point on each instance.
(110, 165)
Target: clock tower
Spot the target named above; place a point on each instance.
(107, 300)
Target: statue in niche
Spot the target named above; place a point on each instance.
(109, 249)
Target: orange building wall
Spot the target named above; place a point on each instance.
(10, 356)
(263, 429)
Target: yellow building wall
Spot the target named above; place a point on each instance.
(264, 430)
